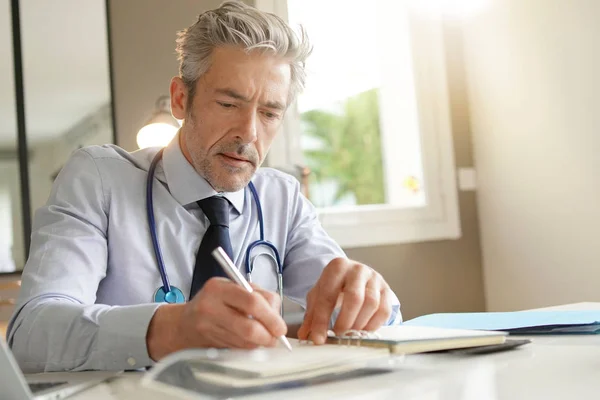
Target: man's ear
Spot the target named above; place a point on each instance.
(179, 95)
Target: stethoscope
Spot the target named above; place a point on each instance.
(168, 293)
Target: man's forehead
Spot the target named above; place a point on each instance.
(242, 78)
(227, 60)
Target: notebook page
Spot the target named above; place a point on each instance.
(225, 380)
(305, 357)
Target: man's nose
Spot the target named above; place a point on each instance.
(248, 129)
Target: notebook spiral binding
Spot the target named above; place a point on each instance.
(354, 336)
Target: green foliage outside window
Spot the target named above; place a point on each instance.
(350, 151)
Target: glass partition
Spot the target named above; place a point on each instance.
(12, 255)
(65, 59)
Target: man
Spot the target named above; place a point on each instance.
(89, 289)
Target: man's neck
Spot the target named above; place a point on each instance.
(184, 148)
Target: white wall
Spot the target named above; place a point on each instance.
(143, 34)
(533, 69)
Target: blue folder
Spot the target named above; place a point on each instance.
(518, 322)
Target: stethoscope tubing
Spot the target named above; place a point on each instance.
(166, 287)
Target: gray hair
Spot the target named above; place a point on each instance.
(235, 23)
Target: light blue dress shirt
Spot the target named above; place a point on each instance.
(87, 289)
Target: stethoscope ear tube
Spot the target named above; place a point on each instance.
(166, 293)
(152, 224)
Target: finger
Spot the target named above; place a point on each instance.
(258, 307)
(383, 313)
(250, 331)
(255, 286)
(240, 331)
(223, 337)
(354, 295)
(372, 298)
(330, 286)
(271, 297)
(218, 291)
(213, 325)
(304, 331)
(220, 323)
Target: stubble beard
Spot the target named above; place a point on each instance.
(211, 168)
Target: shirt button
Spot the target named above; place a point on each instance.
(131, 361)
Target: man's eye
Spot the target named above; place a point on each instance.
(270, 115)
(226, 105)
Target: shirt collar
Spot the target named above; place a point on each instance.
(186, 185)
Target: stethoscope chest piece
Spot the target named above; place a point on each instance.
(175, 296)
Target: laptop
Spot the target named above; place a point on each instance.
(43, 387)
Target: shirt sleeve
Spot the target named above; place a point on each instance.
(56, 325)
(309, 249)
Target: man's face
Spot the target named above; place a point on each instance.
(236, 111)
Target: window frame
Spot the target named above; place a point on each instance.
(385, 224)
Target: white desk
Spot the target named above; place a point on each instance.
(551, 367)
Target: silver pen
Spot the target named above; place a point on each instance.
(235, 275)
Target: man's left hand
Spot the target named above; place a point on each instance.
(364, 297)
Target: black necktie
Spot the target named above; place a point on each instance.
(216, 209)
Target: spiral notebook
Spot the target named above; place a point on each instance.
(305, 362)
(415, 339)
(225, 373)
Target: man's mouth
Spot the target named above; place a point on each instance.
(235, 158)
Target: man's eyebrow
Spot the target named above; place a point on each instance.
(275, 105)
(232, 93)
(235, 95)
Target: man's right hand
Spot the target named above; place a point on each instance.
(218, 316)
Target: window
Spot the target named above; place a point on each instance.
(373, 123)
